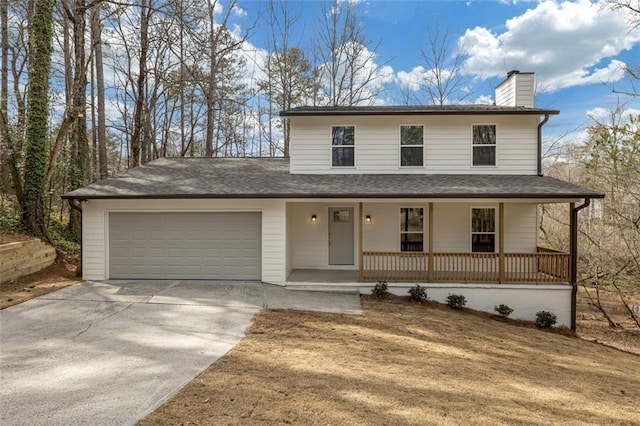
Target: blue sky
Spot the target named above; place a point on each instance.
(576, 48)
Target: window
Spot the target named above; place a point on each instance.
(343, 146)
(483, 230)
(411, 146)
(411, 229)
(484, 145)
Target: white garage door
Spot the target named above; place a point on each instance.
(185, 245)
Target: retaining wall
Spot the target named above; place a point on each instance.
(24, 258)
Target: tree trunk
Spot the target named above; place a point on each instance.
(40, 47)
(96, 31)
(138, 114)
(80, 149)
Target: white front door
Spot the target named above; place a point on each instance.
(341, 241)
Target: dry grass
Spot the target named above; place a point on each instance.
(407, 364)
(593, 326)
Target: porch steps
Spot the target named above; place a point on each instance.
(318, 287)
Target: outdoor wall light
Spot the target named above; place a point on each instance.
(314, 218)
(367, 219)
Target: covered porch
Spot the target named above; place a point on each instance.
(442, 248)
(546, 266)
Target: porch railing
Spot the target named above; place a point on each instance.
(538, 267)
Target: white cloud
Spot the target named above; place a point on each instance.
(601, 114)
(565, 43)
(419, 77)
(239, 12)
(414, 79)
(484, 100)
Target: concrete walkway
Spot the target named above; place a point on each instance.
(108, 353)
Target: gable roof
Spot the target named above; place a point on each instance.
(270, 178)
(416, 110)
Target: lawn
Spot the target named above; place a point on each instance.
(402, 363)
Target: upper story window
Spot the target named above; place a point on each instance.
(411, 229)
(484, 144)
(343, 140)
(411, 146)
(483, 230)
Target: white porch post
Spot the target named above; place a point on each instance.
(501, 243)
(430, 272)
(360, 256)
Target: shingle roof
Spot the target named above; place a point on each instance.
(270, 178)
(416, 110)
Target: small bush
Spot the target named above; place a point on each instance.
(417, 293)
(9, 217)
(503, 310)
(62, 238)
(380, 289)
(545, 319)
(456, 301)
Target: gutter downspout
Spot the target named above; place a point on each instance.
(77, 206)
(574, 259)
(542, 123)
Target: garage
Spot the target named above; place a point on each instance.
(181, 245)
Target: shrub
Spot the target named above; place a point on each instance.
(503, 310)
(380, 289)
(456, 301)
(9, 217)
(418, 293)
(545, 319)
(62, 238)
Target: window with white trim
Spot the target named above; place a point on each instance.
(484, 145)
(411, 229)
(483, 230)
(343, 148)
(411, 146)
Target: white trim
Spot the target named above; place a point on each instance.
(495, 145)
(438, 200)
(400, 146)
(331, 146)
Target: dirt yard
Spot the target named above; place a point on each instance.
(61, 274)
(593, 326)
(403, 363)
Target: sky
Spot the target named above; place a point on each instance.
(577, 49)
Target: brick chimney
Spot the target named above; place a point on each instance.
(516, 90)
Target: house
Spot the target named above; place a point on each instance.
(445, 196)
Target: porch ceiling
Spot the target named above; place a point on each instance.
(180, 178)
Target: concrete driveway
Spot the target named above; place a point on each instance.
(108, 353)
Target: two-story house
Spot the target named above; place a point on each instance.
(444, 196)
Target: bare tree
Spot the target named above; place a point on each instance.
(608, 161)
(347, 70)
(443, 59)
(100, 132)
(289, 76)
(15, 62)
(633, 22)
